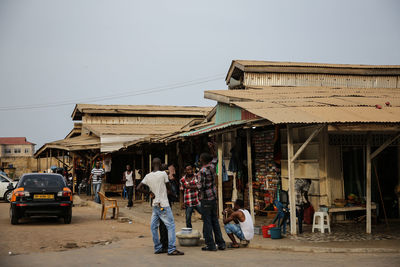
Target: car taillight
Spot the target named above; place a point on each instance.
(22, 194)
(65, 193)
(19, 192)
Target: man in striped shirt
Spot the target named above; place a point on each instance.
(96, 176)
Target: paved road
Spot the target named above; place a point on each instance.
(124, 253)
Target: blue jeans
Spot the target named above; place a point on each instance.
(168, 219)
(235, 229)
(96, 189)
(189, 211)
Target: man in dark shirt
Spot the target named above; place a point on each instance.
(208, 196)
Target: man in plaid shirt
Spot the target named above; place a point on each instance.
(188, 184)
(208, 196)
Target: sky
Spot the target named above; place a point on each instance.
(54, 53)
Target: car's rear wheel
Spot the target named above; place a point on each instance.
(68, 217)
(13, 216)
(7, 195)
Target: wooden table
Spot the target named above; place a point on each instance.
(346, 209)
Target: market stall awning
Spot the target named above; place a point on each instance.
(82, 142)
(214, 127)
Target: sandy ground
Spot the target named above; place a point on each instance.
(51, 234)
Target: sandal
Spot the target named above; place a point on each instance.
(233, 246)
(176, 253)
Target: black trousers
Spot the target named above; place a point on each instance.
(211, 224)
(300, 216)
(129, 190)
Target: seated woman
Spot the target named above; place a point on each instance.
(242, 228)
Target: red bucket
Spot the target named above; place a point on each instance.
(265, 230)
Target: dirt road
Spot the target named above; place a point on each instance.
(50, 234)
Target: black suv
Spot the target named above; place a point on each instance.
(41, 194)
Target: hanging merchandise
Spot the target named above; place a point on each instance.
(266, 170)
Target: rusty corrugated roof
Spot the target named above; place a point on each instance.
(316, 104)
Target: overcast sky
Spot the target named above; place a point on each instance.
(64, 52)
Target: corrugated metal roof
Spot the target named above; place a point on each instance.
(139, 110)
(316, 104)
(214, 127)
(302, 67)
(131, 129)
(250, 63)
(81, 142)
(277, 92)
(326, 114)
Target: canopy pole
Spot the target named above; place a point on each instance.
(47, 161)
(250, 174)
(292, 193)
(73, 173)
(368, 172)
(220, 159)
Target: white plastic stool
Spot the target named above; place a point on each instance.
(321, 221)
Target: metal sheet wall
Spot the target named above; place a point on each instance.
(290, 79)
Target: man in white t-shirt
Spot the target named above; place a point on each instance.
(157, 182)
(242, 227)
(128, 178)
(96, 175)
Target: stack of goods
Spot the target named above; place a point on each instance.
(266, 170)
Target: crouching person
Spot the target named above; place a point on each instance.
(242, 227)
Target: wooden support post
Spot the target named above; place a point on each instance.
(368, 185)
(150, 163)
(73, 173)
(398, 174)
(166, 157)
(292, 193)
(51, 157)
(47, 161)
(143, 173)
(220, 159)
(250, 174)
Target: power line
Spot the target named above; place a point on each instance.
(116, 96)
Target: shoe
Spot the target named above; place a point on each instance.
(222, 247)
(176, 253)
(161, 251)
(206, 248)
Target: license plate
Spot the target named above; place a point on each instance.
(43, 196)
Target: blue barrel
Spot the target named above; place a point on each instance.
(275, 233)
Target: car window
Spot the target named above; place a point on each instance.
(33, 181)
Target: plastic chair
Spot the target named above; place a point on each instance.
(104, 207)
(321, 221)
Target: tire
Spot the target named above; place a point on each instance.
(7, 195)
(68, 217)
(13, 216)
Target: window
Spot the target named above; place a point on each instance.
(26, 150)
(7, 151)
(17, 150)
